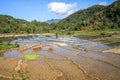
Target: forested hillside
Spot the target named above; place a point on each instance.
(96, 17)
(9, 24)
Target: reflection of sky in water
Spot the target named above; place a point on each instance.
(34, 39)
(73, 41)
(66, 42)
(12, 53)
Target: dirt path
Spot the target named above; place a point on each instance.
(65, 63)
(23, 35)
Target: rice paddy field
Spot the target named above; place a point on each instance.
(63, 58)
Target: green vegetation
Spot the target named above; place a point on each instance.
(7, 45)
(108, 35)
(93, 18)
(112, 40)
(96, 32)
(31, 56)
(9, 24)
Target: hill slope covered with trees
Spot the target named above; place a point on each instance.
(9, 24)
(94, 18)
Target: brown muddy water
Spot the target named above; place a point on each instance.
(65, 58)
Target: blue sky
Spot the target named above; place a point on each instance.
(43, 10)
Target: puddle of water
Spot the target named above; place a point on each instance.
(34, 39)
(51, 55)
(12, 54)
(79, 58)
(94, 55)
(62, 51)
(60, 44)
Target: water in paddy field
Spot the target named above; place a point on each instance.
(66, 58)
(68, 42)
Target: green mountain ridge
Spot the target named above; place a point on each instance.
(96, 17)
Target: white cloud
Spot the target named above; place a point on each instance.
(62, 9)
(103, 3)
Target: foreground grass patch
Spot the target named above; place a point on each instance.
(6, 46)
(31, 56)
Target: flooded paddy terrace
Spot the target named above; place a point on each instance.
(64, 58)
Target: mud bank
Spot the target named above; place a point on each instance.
(23, 35)
(114, 50)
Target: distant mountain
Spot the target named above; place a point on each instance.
(53, 21)
(93, 18)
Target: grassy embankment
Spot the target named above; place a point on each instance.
(111, 35)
